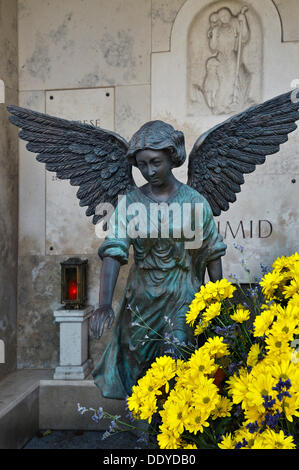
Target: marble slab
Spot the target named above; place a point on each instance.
(68, 229)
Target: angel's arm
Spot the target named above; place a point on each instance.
(108, 278)
(215, 270)
(104, 315)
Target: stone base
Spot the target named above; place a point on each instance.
(58, 405)
(73, 372)
(19, 407)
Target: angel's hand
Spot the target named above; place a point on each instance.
(100, 316)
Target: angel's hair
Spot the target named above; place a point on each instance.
(158, 135)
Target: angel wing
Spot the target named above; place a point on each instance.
(221, 156)
(90, 157)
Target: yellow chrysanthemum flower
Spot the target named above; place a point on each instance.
(292, 289)
(215, 347)
(291, 406)
(270, 283)
(167, 439)
(188, 445)
(227, 442)
(195, 308)
(276, 345)
(294, 258)
(270, 439)
(201, 362)
(241, 314)
(263, 322)
(222, 409)
(238, 386)
(285, 329)
(149, 383)
(143, 404)
(135, 401)
(212, 311)
(292, 309)
(259, 387)
(205, 394)
(244, 433)
(253, 355)
(197, 420)
(162, 370)
(282, 264)
(200, 328)
(174, 416)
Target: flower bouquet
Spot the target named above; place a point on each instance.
(240, 387)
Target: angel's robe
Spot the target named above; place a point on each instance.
(161, 284)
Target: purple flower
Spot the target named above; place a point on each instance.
(280, 386)
(252, 427)
(268, 401)
(239, 247)
(239, 445)
(271, 420)
(265, 269)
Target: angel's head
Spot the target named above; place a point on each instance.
(158, 136)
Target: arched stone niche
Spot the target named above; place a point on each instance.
(275, 62)
(224, 59)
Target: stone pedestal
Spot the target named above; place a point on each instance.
(74, 363)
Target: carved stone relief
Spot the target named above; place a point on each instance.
(224, 59)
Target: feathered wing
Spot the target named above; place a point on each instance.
(221, 156)
(90, 157)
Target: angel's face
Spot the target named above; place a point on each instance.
(155, 166)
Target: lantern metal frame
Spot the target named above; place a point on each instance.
(80, 267)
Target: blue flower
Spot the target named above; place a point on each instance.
(265, 269)
(268, 401)
(283, 394)
(271, 420)
(280, 386)
(239, 247)
(252, 427)
(106, 435)
(81, 409)
(95, 418)
(239, 445)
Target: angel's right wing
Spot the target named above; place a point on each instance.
(90, 157)
(221, 156)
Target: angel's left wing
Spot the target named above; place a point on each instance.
(221, 156)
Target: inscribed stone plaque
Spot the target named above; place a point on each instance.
(68, 229)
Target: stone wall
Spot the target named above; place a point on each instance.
(149, 54)
(8, 188)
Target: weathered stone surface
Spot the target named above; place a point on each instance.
(19, 407)
(133, 108)
(57, 395)
(289, 13)
(68, 229)
(163, 15)
(83, 43)
(32, 188)
(8, 187)
(39, 297)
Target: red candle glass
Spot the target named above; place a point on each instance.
(72, 290)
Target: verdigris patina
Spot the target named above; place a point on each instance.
(166, 271)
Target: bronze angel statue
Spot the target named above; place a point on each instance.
(165, 274)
